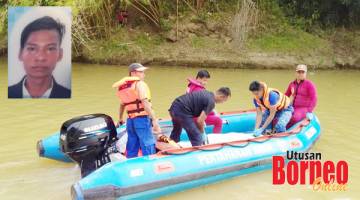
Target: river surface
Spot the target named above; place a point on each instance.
(23, 175)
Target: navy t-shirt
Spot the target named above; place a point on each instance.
(196, 102)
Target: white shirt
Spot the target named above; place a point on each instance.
(26, 93)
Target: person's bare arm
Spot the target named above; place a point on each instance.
(258, 117)
(270, 118)
(147, 106)
(201, 121)
(121, 113)
(144, 99)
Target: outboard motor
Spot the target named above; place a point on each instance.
(87, 139)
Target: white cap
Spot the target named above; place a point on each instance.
(301, 67)
(137, 67)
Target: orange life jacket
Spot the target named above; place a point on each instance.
(129, 96)
(283, 102)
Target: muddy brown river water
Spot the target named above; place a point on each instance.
(23, 175)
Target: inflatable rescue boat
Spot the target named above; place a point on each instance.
(172, 169)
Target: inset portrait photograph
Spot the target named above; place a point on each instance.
(39, 52)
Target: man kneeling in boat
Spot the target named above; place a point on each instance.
(196, 104)
(272, 108)
(135, 97)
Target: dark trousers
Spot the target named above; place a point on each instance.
(181, 120)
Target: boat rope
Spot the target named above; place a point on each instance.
(237, 143)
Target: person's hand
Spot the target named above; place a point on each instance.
(120, 122)
(258, 132)
(292, 91)
(160, 137)
(205, 138)
(156, 128)
(215, 113)
(201, 127)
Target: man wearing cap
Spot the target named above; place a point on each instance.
(135, 97)
(302, 93)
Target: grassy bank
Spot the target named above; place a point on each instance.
(338, 49)
(204, 39)
(187, 36)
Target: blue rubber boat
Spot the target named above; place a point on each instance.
(178, 169)
(49, 147)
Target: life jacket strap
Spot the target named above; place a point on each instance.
(136, 111)
(137, 102)
(125, 86)
(138, 108)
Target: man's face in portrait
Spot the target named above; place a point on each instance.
(41, 52)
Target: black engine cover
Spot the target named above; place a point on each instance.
(85, 139)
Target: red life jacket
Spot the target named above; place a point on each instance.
(129, 97)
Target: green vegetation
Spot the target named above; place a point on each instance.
(325, 14)
(122, 46)
(198, 42)
(202, 30)
(294, 27)
(292, 41)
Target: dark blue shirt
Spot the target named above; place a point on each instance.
(196, 102)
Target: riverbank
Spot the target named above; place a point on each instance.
(207, 39)
(212, 50)
(216, 49)
(250, 61)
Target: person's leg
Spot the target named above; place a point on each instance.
(283, 117)
(298, 115)
(216, 121)
(192, 131)
(143, 131)
(177, 128)
(132, 145)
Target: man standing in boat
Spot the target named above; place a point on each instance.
(302, 93)
(272, 108)
(196, 104)
(198, 84)
(135, 98)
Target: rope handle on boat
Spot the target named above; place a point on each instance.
(220, 113)
(238, 143)
(237, 112)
